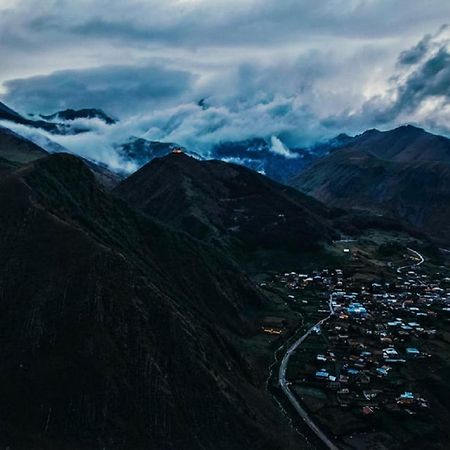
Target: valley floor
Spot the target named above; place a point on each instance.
(364, 348)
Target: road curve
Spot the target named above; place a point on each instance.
(283, 367)
(289, 394)
(422, 259)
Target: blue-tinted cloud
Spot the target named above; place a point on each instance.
(116, 89)
(420, 90)
(297, 70)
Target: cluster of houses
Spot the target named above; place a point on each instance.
(377, 332)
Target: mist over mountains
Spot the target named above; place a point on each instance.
(259, 114)
(74, 130)
(299, 98)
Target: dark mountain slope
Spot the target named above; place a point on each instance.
(417, 191)
(219, 201)
(115, 332)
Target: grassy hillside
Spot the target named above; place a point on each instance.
(115, 330)
(226, 203)
(404, 174)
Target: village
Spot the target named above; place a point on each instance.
(367, 367)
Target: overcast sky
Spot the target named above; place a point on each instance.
(300, 70)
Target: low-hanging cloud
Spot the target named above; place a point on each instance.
(279, 148)
(294, 74)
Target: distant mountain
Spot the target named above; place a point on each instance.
(118, 332)
(406, 143)
(139, 151)
(276, 161)
(10, 115)
(226, 203)
(86, 113)
(257, 154)
(403, 172)
(59, 122)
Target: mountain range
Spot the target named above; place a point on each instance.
(258, 154)
(403, 172)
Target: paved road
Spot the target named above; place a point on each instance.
(422, 259)
(284, 363)
(287, 391)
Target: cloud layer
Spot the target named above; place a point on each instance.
(199, 73)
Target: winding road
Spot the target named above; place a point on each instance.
(284, 363)
(422, 259)
(287, 391)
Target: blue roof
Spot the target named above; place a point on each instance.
(322, 374)
(356, 308)
(412, 350)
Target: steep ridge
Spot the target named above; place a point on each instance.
(116, 332)
(218, 201)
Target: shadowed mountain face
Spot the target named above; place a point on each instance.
(403, 172)
(403, 144)
(219, 201)
(121, 335)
